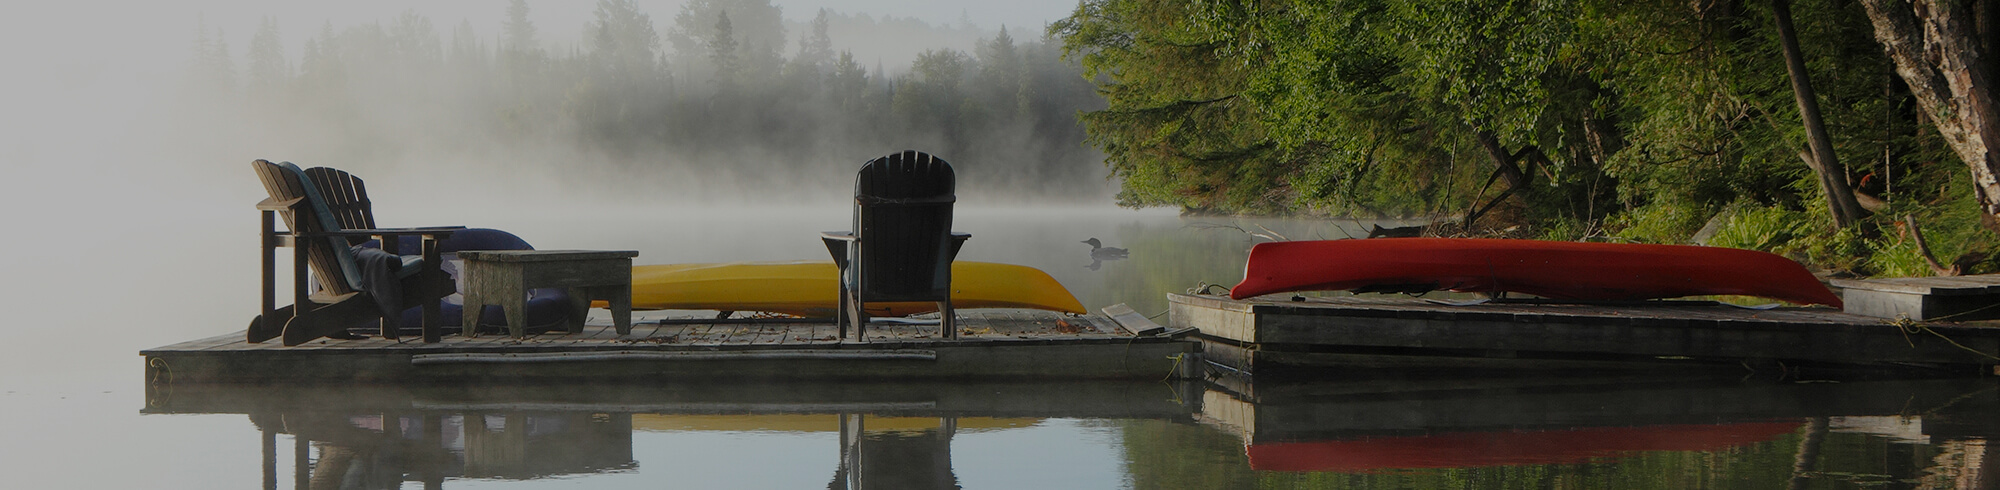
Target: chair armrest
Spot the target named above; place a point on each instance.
(958, 241)
(419, 230)
(836, 245)
(272, 204)
(415, 230)
(432, 232)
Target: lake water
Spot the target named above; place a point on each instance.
(80, 414)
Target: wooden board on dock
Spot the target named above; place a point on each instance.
(1955, 298)
(992, 344)
(1397, 326)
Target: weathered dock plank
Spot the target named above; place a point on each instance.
(1402, 326)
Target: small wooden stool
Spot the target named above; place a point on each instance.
(503, 277)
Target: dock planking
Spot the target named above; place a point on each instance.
(1276, 330)
(993, 344)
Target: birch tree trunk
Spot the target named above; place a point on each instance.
(1938, 50)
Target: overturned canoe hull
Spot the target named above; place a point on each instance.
(1559, 270)
(811, 288)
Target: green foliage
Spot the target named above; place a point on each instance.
(1761, 228)
(1896, 258)
(1176, 128)
(1638, 117)
(1660, 221)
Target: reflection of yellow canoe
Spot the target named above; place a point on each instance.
(808, 288)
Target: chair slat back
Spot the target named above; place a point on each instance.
(346, 197)
(902, 219)
(330, 259)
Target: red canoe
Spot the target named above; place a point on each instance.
(1557, 270)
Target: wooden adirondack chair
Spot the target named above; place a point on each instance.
(318, 207)
(902, 245)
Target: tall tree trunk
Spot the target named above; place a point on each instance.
(1939, 51)
(1832, 175)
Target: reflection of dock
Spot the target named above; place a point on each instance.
(1375, 425)
(1348, 331)
(992, 344)
(891, 434)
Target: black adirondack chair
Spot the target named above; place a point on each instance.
(326, 211)
(902, 245)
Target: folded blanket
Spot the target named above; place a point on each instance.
(379, 279)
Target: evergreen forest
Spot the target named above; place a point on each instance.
(721, 96)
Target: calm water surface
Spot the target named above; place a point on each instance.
(81, 416)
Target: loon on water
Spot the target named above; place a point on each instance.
(1101, 252)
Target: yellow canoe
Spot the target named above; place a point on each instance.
(810, 288)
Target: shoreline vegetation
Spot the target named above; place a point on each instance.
(1826, 131)
(1849, 135)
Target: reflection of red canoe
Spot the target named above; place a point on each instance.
(1559, 270)
(1475, 449)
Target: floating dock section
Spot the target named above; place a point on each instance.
(992, 344)
(1350, 331)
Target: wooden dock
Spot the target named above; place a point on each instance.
(992, 344)
(1354, 330)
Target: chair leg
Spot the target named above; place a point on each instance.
(856, 316)
(840, 314)
(267, 326)
(947, 323)
(326, 320)
(434, 290)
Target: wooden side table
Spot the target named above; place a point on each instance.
(503, 277)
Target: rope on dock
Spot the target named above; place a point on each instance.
(1908, 326)
(635, 355)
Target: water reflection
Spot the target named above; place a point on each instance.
(370, 451)
(1582, 431)
(878, 435)
(1571, 431)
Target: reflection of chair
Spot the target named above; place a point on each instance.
(894, 459)
(316, 212)
(901, 246)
